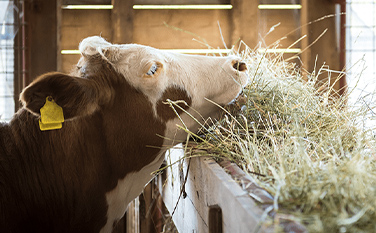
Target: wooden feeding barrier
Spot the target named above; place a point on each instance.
(202, 197)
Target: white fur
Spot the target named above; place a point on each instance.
(126, 190)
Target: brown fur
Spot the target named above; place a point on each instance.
(165, 111)
(55, 181)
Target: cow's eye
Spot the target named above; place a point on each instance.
(152, 70)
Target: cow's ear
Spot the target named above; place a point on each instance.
(95, 45)
(76, 96)
(111, 54)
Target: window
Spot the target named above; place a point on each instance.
(7, 33)
(361, 49)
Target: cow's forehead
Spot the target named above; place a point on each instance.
(97, 45)
(139, 54)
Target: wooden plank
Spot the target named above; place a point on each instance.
(58, 34)
(207, 185)
(326, 49)
(79, 24)
(68, 62)
(19, 66)
(120, 226)
(41, 39)
(215, 219)
(133, 217)
(122, 21)
(150, 28)
(289, 23)
(244, 22)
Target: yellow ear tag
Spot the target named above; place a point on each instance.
(51, 115)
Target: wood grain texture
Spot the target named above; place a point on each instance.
(207, 185)
(175, 29)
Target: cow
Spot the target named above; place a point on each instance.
(121, 106)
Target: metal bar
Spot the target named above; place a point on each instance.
(183, 7)
(280, 6)
(87, 7)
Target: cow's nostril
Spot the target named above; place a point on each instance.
(241, 66)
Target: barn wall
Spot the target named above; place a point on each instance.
(326, 50)
(174, 29)
(78, 24)
(52, 29)
(164, 29)
(197, 29)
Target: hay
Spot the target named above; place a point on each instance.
(312, 153)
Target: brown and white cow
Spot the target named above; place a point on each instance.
(80, 178)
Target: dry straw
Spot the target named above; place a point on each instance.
(312, 153)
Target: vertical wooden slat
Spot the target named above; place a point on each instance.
(120, 227)
(145, 204)
(133, 217)
(245, 22)
(122, 21)
(326, 49)
(215, 219)
(58, 34)
(342, 81)
(18, 51)
(41, 34)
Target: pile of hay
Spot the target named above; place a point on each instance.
(313, 154)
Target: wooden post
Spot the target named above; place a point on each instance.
(215, 219)
(19, 51)
(133, 217)
(59, 14)
(122, 21)
(245, 22)
(342, 52)
(326, 49)
(41, 37)
(146, 202)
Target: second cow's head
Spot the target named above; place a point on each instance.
(107, 74)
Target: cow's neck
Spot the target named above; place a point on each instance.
(134, 145)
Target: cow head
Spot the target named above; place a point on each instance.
(162, 75)
(158, 75)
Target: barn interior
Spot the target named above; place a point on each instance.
(39, 36)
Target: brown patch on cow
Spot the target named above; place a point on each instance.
(165, 111)
(56, 181)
